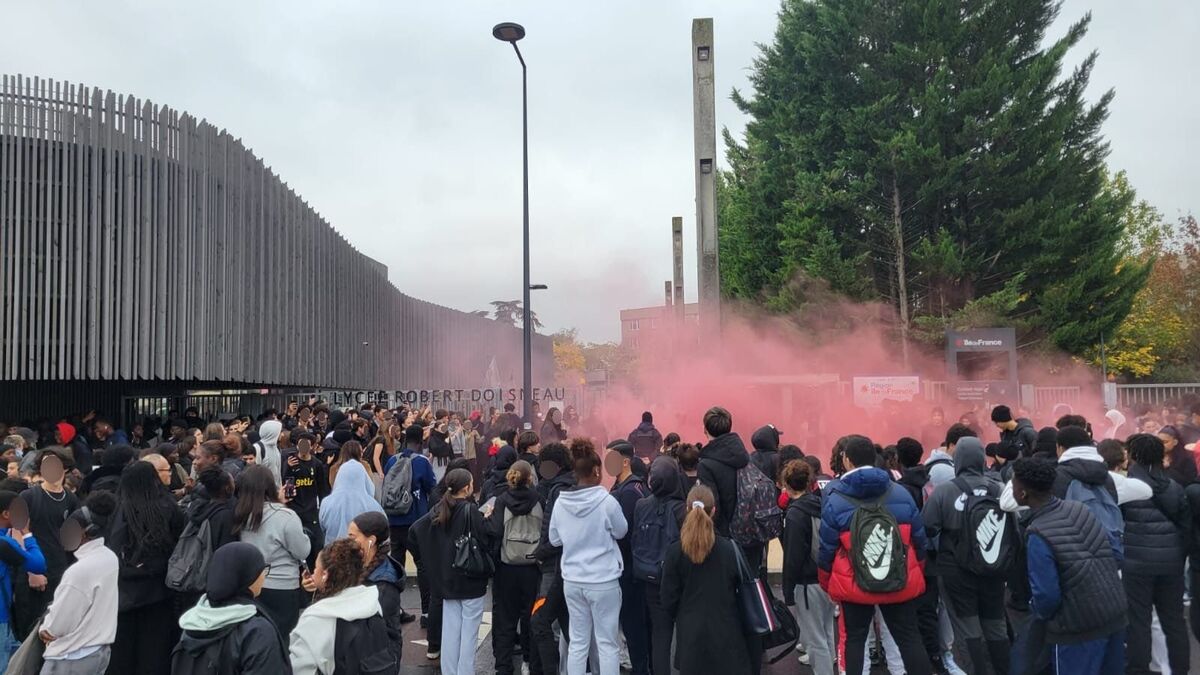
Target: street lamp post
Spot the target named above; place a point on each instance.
(511, 33)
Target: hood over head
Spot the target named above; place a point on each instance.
(766, 439)
(580, 502)
(969, 458)
(268, 433)
(1115, 417)
(666, 478)
(727, 449)
(1084, 464)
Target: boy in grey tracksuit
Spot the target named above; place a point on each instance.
(975, 604)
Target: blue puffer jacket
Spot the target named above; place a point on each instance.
(834, 570)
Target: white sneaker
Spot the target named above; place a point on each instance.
(951, 666)
(433, 656)
(803, 658)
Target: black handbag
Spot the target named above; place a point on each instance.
(754, 599)
(470, 558)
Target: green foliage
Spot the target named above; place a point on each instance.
(939, 134)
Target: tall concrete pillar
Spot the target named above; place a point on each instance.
(677, 265)
(705, 122)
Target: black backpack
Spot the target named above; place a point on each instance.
(656, 527)
(362, 647)
(877, 554)
(987, 544)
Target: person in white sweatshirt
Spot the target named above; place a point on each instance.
(586, 523)
(81, 624)
(337, 581)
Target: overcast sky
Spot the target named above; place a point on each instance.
(400, 121)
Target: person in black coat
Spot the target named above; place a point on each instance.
(371, 531)
(516, 584)
(766, 451)
(720, 460)
(427, 556)
(801, 535)
(455, 516)
(497, 481)
(246, 642)
(699, 589)
(666, 496)
(1156, 535)
(145, 530)
(551, 604)
(107, 476)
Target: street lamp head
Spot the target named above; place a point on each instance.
(538, 287)
(508, 31)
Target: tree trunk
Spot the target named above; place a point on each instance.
(901, 277)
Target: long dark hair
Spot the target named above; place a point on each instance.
(375, 524)
(146, 513)
(455, 480)
(255, 487)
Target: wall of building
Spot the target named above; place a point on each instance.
(140, 244)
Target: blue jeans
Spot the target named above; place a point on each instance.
(1103, 656)
(8, 645)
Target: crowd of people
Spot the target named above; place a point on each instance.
(281, 544)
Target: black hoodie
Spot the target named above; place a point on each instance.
(497, 483)
(720, 461)
(219, 515)
(766, 451)
(799, 567)
(914, 479)
(1085, 470)
(549, 490)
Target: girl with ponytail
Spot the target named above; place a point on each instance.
(699, 589)
(457, 517)
(516, 524)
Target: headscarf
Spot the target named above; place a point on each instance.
(1117, 420)
(353, 493)
(233, 568)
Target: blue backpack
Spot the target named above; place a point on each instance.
(1100, 502)
(655, 528)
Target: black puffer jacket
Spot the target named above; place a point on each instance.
(389, 580)
(1093, 598)
(720, 461)
(1156, 529)
(799, 566)
(1083, 464)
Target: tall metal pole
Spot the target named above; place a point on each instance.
(526, 321)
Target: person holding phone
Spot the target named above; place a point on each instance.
(305, 484)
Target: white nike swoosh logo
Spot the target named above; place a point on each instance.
(990, 535)
(878, 547)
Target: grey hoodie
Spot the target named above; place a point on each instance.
(267, 449)
(283, 544)
(944, 510)
(586, 523)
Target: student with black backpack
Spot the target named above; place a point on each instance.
(550, 606)
(227, 633)
(343, 631)
(516, 526)
(977, 546)
(657, 520)
(628, 489)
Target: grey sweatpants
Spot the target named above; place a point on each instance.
(92, 664)
(814, 616)
(595, 610)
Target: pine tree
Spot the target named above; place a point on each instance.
(928, 152)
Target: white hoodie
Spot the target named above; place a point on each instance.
(268, 436)
(587, 523)
(1128, 489)
(311, 650)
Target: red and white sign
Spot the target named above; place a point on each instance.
(871, 392)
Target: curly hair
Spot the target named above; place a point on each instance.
(343, 564)
(520, 474)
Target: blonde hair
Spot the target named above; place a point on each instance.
(520, 474)
(697, 536)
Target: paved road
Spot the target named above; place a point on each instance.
(415, 662)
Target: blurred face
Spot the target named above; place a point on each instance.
(292, 408)
(201, 460)
(938, 418)
(367, 544)
(103, 430)
(52, 469)
(198, 435)
(17, 514)
(1169, 441)
(615, 463)
(163, 467)
(71, 534)
(556, 417)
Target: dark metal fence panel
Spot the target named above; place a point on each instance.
(142, 245)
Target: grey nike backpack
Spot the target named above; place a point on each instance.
(877, 553)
